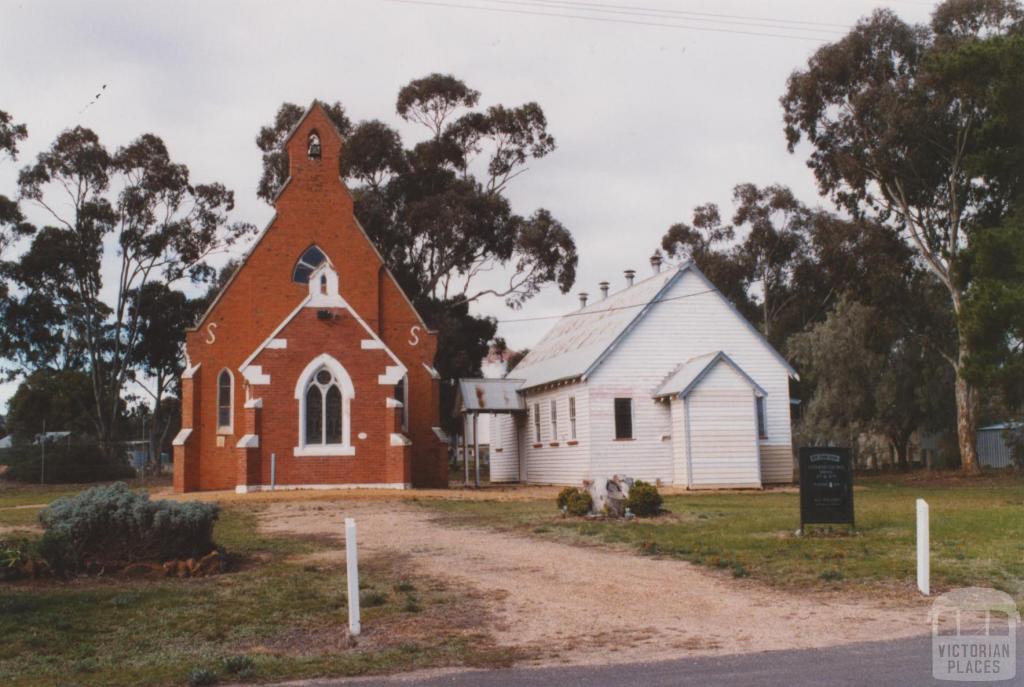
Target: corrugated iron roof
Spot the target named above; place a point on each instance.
(580, 338)
(687, 376)
(489, 396)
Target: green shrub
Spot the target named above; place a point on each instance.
(563, 497)
(368, 598)
(75, 463)
(644, 499)
(238, 665)
(579, 503)
(201, 677)
(113, 524)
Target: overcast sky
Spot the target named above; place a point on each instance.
(650, 120)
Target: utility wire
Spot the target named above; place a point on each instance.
(708, 17)
(610, 20)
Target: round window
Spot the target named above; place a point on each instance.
(323, 377)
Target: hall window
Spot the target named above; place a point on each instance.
(572, 417)
(623, 418)
(536, 422)
(762, 419)
(554, 420)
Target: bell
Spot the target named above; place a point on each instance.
(314, 147)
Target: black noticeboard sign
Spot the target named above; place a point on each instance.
(826, 486)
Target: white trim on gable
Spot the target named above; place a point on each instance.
(310, 301)
(340, 373)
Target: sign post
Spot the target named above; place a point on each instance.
(826, 487)
(923, 549)
(352, 575)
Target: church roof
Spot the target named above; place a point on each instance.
(581, 340)
(688, 376)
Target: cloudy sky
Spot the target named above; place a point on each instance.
(656, 105)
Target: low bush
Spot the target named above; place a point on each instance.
(238, 665)
(75, 463)
(563, 496)
(575, 501)
(644, 499)
(113, 524)
(201, 677)
(369, 598)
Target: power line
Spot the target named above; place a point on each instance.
(711, 17)
(602, 311)
(609, 20)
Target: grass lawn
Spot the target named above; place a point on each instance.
(281, 615)
(977, 534)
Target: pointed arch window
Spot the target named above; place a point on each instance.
(325, 394)
(310, 259)
(225, 401)
(402, 396)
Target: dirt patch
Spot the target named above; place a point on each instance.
(562, 603)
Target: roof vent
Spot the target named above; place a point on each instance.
(629, 277)
(583, 299)
(656, 263)
(604, 289)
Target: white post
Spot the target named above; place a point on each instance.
(923, 549)
(273, 471)
(476, 449)
(353, 576)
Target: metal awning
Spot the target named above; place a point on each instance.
(489, 396)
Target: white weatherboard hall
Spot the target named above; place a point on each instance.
(663, 380)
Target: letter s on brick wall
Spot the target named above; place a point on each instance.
(414, 337)
(210, 336)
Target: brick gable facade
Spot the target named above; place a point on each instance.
(265, 329)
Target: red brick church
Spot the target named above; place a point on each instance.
(311, 369)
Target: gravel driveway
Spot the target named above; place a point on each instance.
(588, 605)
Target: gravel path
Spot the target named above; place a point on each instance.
(588, 605)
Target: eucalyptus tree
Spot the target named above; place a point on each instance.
(133, 214)
(918, 126)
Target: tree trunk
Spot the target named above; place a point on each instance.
(967, 423)
(966, 398)
(902, 446)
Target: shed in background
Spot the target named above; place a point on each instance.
(993, 451)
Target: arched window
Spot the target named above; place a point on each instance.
(402, 396)
(325, 393)
(225, 401)
(312, 258)
(314, 146)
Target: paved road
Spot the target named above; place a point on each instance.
(878, 664)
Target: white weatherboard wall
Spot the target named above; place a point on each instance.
(722, 418)
(681, 476)
(556, 460)
(672, 332)
(504, 458)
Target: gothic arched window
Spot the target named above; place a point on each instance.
(314, 146)
(312, 258)
(325, 394)
(225, 401)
